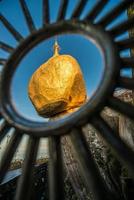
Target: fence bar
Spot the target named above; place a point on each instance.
(122, 107)
(98, 7)
(89, 169)
(114, 13)
(79, 8)
(11, 29)
(25, 183)
(62, 10)
(120, 149)
(56, 190)
(46, 14)
(8, 154)
(27, 16)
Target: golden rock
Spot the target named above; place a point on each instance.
(57, 86)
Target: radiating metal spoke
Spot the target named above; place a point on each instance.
(89, 169)
(9, 152)
(125, 44)
(121, 107)
(62, 10)
(2, 123)
(28, 16)
(2, 61)
(115, 12)
(4, 130)
(11, 29)
(46, 14)
(79, 8)
(6, 47)
(127, 62)
(24, 187)
(120, 149)
(121, 28)
(98, 7)
(56, 191)
(90, 172)
(127, 83)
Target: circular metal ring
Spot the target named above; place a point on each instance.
(111, 59)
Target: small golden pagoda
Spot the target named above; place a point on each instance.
(57, 86)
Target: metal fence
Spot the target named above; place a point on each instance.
(89, 113)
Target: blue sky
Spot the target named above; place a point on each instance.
(83, 50)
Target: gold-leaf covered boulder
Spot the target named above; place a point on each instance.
(57, 85)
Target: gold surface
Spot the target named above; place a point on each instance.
(57, 85)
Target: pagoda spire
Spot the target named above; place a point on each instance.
(56, 47)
